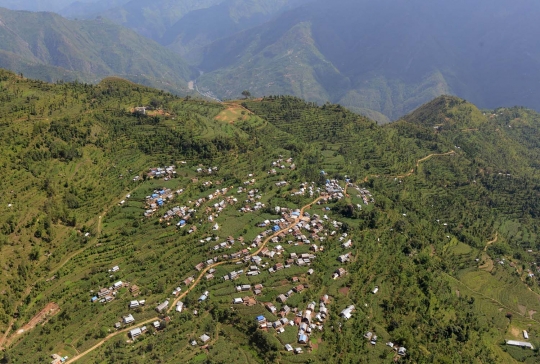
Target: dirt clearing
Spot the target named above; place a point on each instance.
(233, 112)
(50, 310)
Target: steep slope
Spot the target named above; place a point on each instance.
(38, 5)
(89, 9)
(421, 214)
(201, 27)
(395, 55)
(152, 19)
(44, 44)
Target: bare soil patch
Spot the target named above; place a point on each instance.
(514, 331)
(344, 290)
(41, 317)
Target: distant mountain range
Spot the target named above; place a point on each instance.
(385, 58)
(50, 47)
(379, 58)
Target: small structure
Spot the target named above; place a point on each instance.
(135, 333)
(129, 319)
(402, 351)
(375, 290)
(204, 338)
(347, 313)
(522, 344)
(162, 307)
(525, 334)
(288, 347)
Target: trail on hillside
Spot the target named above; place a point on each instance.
(452, 152)
(6, 338)
(263, 245)
(110, 336)
(41, 317)
(494, 240)
(491, 299)
(194, 284)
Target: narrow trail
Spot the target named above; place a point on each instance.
(261, 247)
(494, 240)
(194, 284)
(491, 299)
(6, 338)
(110, 336)
(452, 152)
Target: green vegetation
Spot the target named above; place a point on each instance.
(448, 231)
(380, 59)
(48, 47)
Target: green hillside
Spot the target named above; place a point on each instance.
(152, 19)
(432, 206)
(189, 35)
(51, 48)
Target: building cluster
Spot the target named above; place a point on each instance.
(107, 294)
(207, 170)
(158, 199)
(162, 172)
(365, 195)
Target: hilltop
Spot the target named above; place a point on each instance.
(49, 47)
(213, 226)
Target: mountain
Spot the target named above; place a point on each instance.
(89, 10)
(49, 47)
(422, 232)
(152, 19)
(384, 57)
(40, 5)
(200, 27)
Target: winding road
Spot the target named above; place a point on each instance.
(194, 284)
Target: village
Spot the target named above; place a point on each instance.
(291, 241)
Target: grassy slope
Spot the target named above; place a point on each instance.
(398, 245)
(49, 47)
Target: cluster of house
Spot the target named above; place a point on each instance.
(207, 170)
(365, 195)
(182, 212)
(105, 295)
(307, 323)
(249, 301)
(280, 163)
(162, 172)
(401, 350)
(308, 188)
(252, 201)
(158, 198)
(250, 181)
(227, 244)
(334, 190)
(57, 359)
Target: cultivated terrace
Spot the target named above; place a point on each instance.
(137, 226)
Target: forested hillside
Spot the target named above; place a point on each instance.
(49, 47)
(384, 58)
(427, 226)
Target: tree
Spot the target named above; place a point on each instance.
(246, 94)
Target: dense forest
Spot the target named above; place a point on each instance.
(447, 232)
